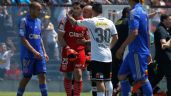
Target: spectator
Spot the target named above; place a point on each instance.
(21, 1)
(50, 37)
(13, 73)
(60, 11)
(5, 56)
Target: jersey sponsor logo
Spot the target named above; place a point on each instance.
(34, 36)
(101, 24)
(74, 34)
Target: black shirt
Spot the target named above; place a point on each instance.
(162, 33)
(122, 29)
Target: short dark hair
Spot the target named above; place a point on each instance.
(33, 4)
(137, 1)
(125, 11)
(163, 17)
(78, 4)
(97, 7)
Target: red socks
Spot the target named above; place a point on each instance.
(78, 85)
(68, 86)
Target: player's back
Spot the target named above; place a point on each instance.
(139, 20)
(101, 29)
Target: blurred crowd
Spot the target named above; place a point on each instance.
(51, 15)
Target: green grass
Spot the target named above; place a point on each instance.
(38, 94)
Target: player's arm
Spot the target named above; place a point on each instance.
(71, 19)
(114, 40)
(134, 25)
(164, 43)
(44, 51)
(84, 22)
(25, 42)
(61, 32)
(114, 35)
(30, 48)
(85, 40)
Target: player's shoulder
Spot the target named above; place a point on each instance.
(110, 22)
(63, 20)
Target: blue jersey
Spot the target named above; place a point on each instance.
(31, 30)
(138, 19)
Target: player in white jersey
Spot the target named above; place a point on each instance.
(101, 30)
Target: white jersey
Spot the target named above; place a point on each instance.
(101, 30)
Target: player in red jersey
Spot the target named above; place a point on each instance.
(69, 36)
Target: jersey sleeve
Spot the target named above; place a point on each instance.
(84, 22)
(22, 29)
(113, 29)
(61, 26)
(134, 21)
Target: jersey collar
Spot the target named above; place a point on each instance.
(137, 5)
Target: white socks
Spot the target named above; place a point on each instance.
(100, 93)
(109, 88)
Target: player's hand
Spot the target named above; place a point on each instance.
(82, 41)
(150, 60)
(46, 57)
(119, 53)
(68, 15)
(37, 55)
(164, 46)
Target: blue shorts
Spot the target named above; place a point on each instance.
(33, 67)
(135, 64)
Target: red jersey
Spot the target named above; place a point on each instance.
(73, 33)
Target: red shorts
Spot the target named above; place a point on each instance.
(67, 66)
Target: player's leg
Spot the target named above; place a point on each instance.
(139, 72)
(122, 76)
(27, 69)
(156, 78)
(67, 68)
(43, 84)
(79, 65)
(100, 88)
(23, 83)
(168, 77)
(107, 78)
(68, 77)
(40, 70)
(115, 68)
(93, 83)
(78, 84)
(101, 72)
(94, 88)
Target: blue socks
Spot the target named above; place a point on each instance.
(125, 88)
(147, 89)
(43, 89)
(20, 91)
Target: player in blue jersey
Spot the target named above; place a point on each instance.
(138, 57)
(33, 54)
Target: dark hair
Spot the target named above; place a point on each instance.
(78, 4)
(137, 1)
(97, 7)
(163, 17)
(33, 4)
(125, 11)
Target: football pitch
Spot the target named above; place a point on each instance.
(38, 94)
